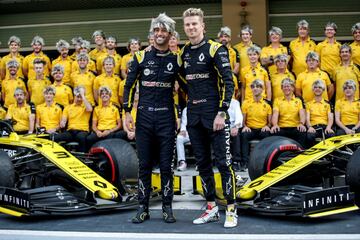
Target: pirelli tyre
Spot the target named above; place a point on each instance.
(7, 172)
(118, 161)
(353, 171)
(270, 153)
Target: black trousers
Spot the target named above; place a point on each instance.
(246, 137)
(293, 133)
(155, 143)
(202, 139)
(74, 136)
(93, 138)
(235, 148)
(340, 131)
(320, 128)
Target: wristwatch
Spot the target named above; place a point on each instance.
(222, 114)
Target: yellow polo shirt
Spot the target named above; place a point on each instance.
(95, 53)
(329, 55)
(36, 88)
(343, 73)
(276, 79)
(242, 51)
(298, 52)
(100, 60)
(355, 52)
(20, 115)
(87, 81)
(19, 58)
(77, 117)
(112, 82)
(90, 67)
(8, 87)
(49, 117)
(28, 64)
(125, 59)
(249, 74)
(288, 111)
(268, 51)
(349, 111)
(106, 117)
(318, 112)
(256, 113)
(63, 95)
(67, 64)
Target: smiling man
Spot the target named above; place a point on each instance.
(155, 71)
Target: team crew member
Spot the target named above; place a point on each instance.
(134, 45)
(37, 85)
(243, 46)
(83, 77)
(174, 42)
(268, 53)
(256, 120)
(22, 113)
(64, 59)
(288, 117)
(63, 94)
(300, 47)
(110, 47)
(236, 120)
(76, 42)
(48, 114)
(225, 39)
(210, 88)
(76, 116)
(329, 49)
(355, 45)
(319, 118)
(344, 71)
(9, 85)
(106, 120)
(28, 63)
(279, 74)
(91, 66)
(130, 133)
(347, 111)
(108, 78)
(156, 120)
(99, 39)
(305, 79)
(14, 46)
(254, 71)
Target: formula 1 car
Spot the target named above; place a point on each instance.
(39, 176)
(288, 180)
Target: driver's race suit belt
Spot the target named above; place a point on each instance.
(153, 109)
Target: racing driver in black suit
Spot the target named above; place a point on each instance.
(155, 72)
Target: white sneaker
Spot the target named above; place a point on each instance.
(182, 165)
(210, 215)
(231, 219)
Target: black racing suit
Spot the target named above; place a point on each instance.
(155, 72)
(209, 82)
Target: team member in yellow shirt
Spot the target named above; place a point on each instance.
(355, 45)
(279, 74)
(130, 135)
(99, 39)
(14, 46)
(64, 59)
(347, 111)
(254, 71)
(174, 42)
(76, 117)
(344, 71)
(256, 120)
(110, 47)
(319, 118)
(242, 47)
(63, 94)
(91, 66)
(22, 113)
(305, 79)
(288, 117)
(28, 63)
(83, 77)
(268, 53)
(76, 42)
(9, 85)
(225, 39)
(329, 49)
(109, 79)
(48, 114)
(106, 121)
(37, 85)
(300, 47)
(134, 45)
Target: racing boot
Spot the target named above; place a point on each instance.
(141, 215)
(231, 219)
(168, 215)
(211, 214)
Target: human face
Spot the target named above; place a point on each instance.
(110, 44)
(151, 40)
(83, 50)
(134, 46)
(253, 57)
(224, 39)
(275, 38)
(49, 96)
(357, 35)
(312, 64)
(78, 99)
(161, 36)
(39, 68)
(194, 28)
(245, 36)
(13, 70)
(256, 89)
(287, 89)
(105, 96)
(349, 91)
(345, 54)
(173, 42)
(19, 97)
(99, 40)
(281, 64)
(83, 63)
(303, 32)
(64, 52)
(14, 47)
(318, 91)
(37, 47)
(108, 66)
(330, 32)
(58, 76)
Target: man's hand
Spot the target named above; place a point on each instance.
(275, 129)
(219, 123)
(311, 130)
(182, 133)
(266, 129)
(131, 135)
(234, 131)
(329, 130)
(246, 129)
(301, 128)
(129, 122)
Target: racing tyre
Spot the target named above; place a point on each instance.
(270, 153)
(118, 161)
(353, 171)
(7, 172)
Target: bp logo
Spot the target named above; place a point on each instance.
(169, 67)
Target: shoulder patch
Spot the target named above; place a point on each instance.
(140, 55)
(214, 46)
